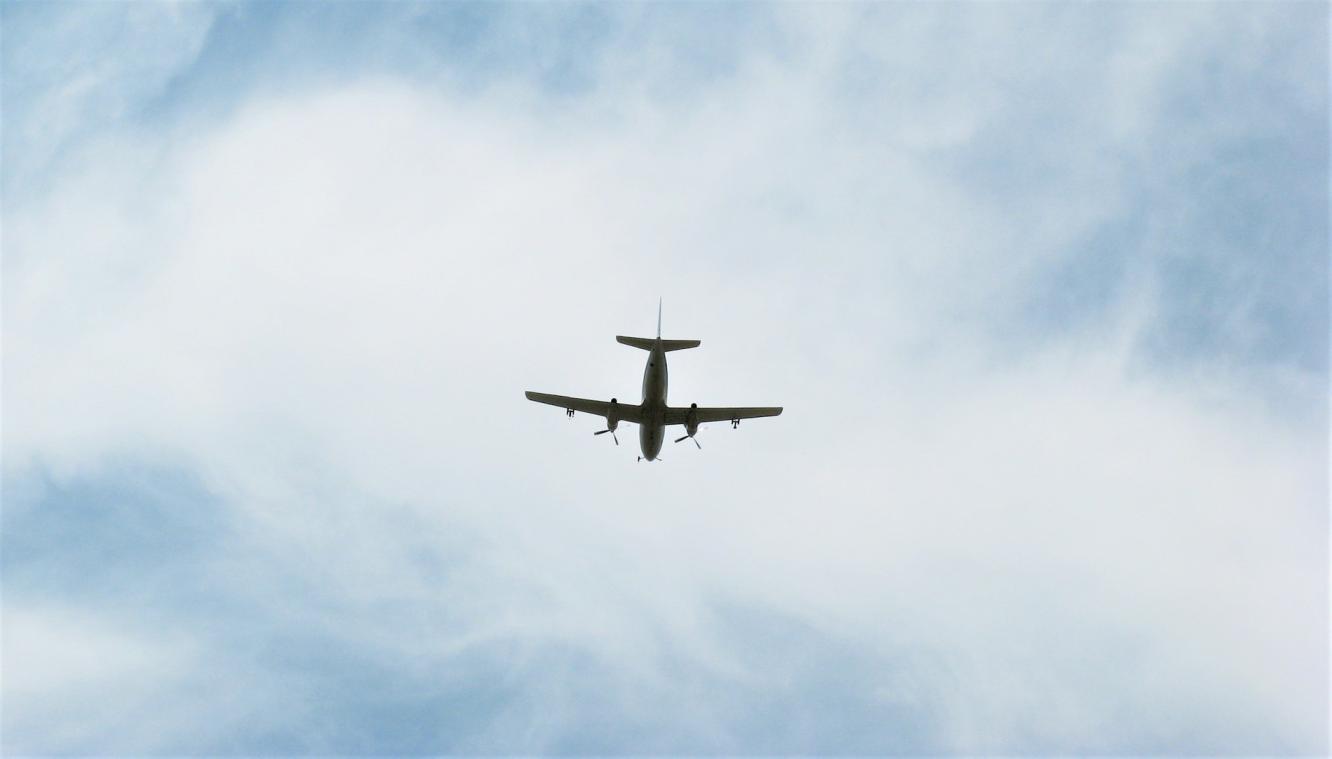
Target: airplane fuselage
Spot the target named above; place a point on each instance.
(652, 430)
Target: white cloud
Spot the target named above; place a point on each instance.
(328, 306)
(78, 678)
(73, 70)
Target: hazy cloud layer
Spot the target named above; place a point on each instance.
(1042, 288)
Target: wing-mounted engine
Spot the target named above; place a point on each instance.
(691, 425)
(612, 420)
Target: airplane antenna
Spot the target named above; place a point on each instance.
(658, 318)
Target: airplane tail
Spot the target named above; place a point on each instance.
(647, 343)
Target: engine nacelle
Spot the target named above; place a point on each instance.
(613, 415)
(691, 420)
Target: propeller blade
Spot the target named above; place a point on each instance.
(689, 437)
(616, 439)
(602, 432)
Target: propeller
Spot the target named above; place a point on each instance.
(612, 432)
(689, 437)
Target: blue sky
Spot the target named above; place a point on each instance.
(1043, 288)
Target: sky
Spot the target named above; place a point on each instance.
(1043, 289)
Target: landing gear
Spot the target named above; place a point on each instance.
(569, 412)
(735, 424)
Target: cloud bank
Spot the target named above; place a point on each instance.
(1043, 290)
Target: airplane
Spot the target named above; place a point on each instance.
(653, 416)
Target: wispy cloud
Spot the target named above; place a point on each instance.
(1043, 290)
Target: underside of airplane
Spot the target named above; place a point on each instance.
(653, 415)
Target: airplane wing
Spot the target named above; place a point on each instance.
(628, 412)
(677, 415)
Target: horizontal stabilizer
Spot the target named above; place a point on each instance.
(648, 343)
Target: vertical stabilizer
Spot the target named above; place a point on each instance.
(649, 344)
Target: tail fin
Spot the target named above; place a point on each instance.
(648, 343)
